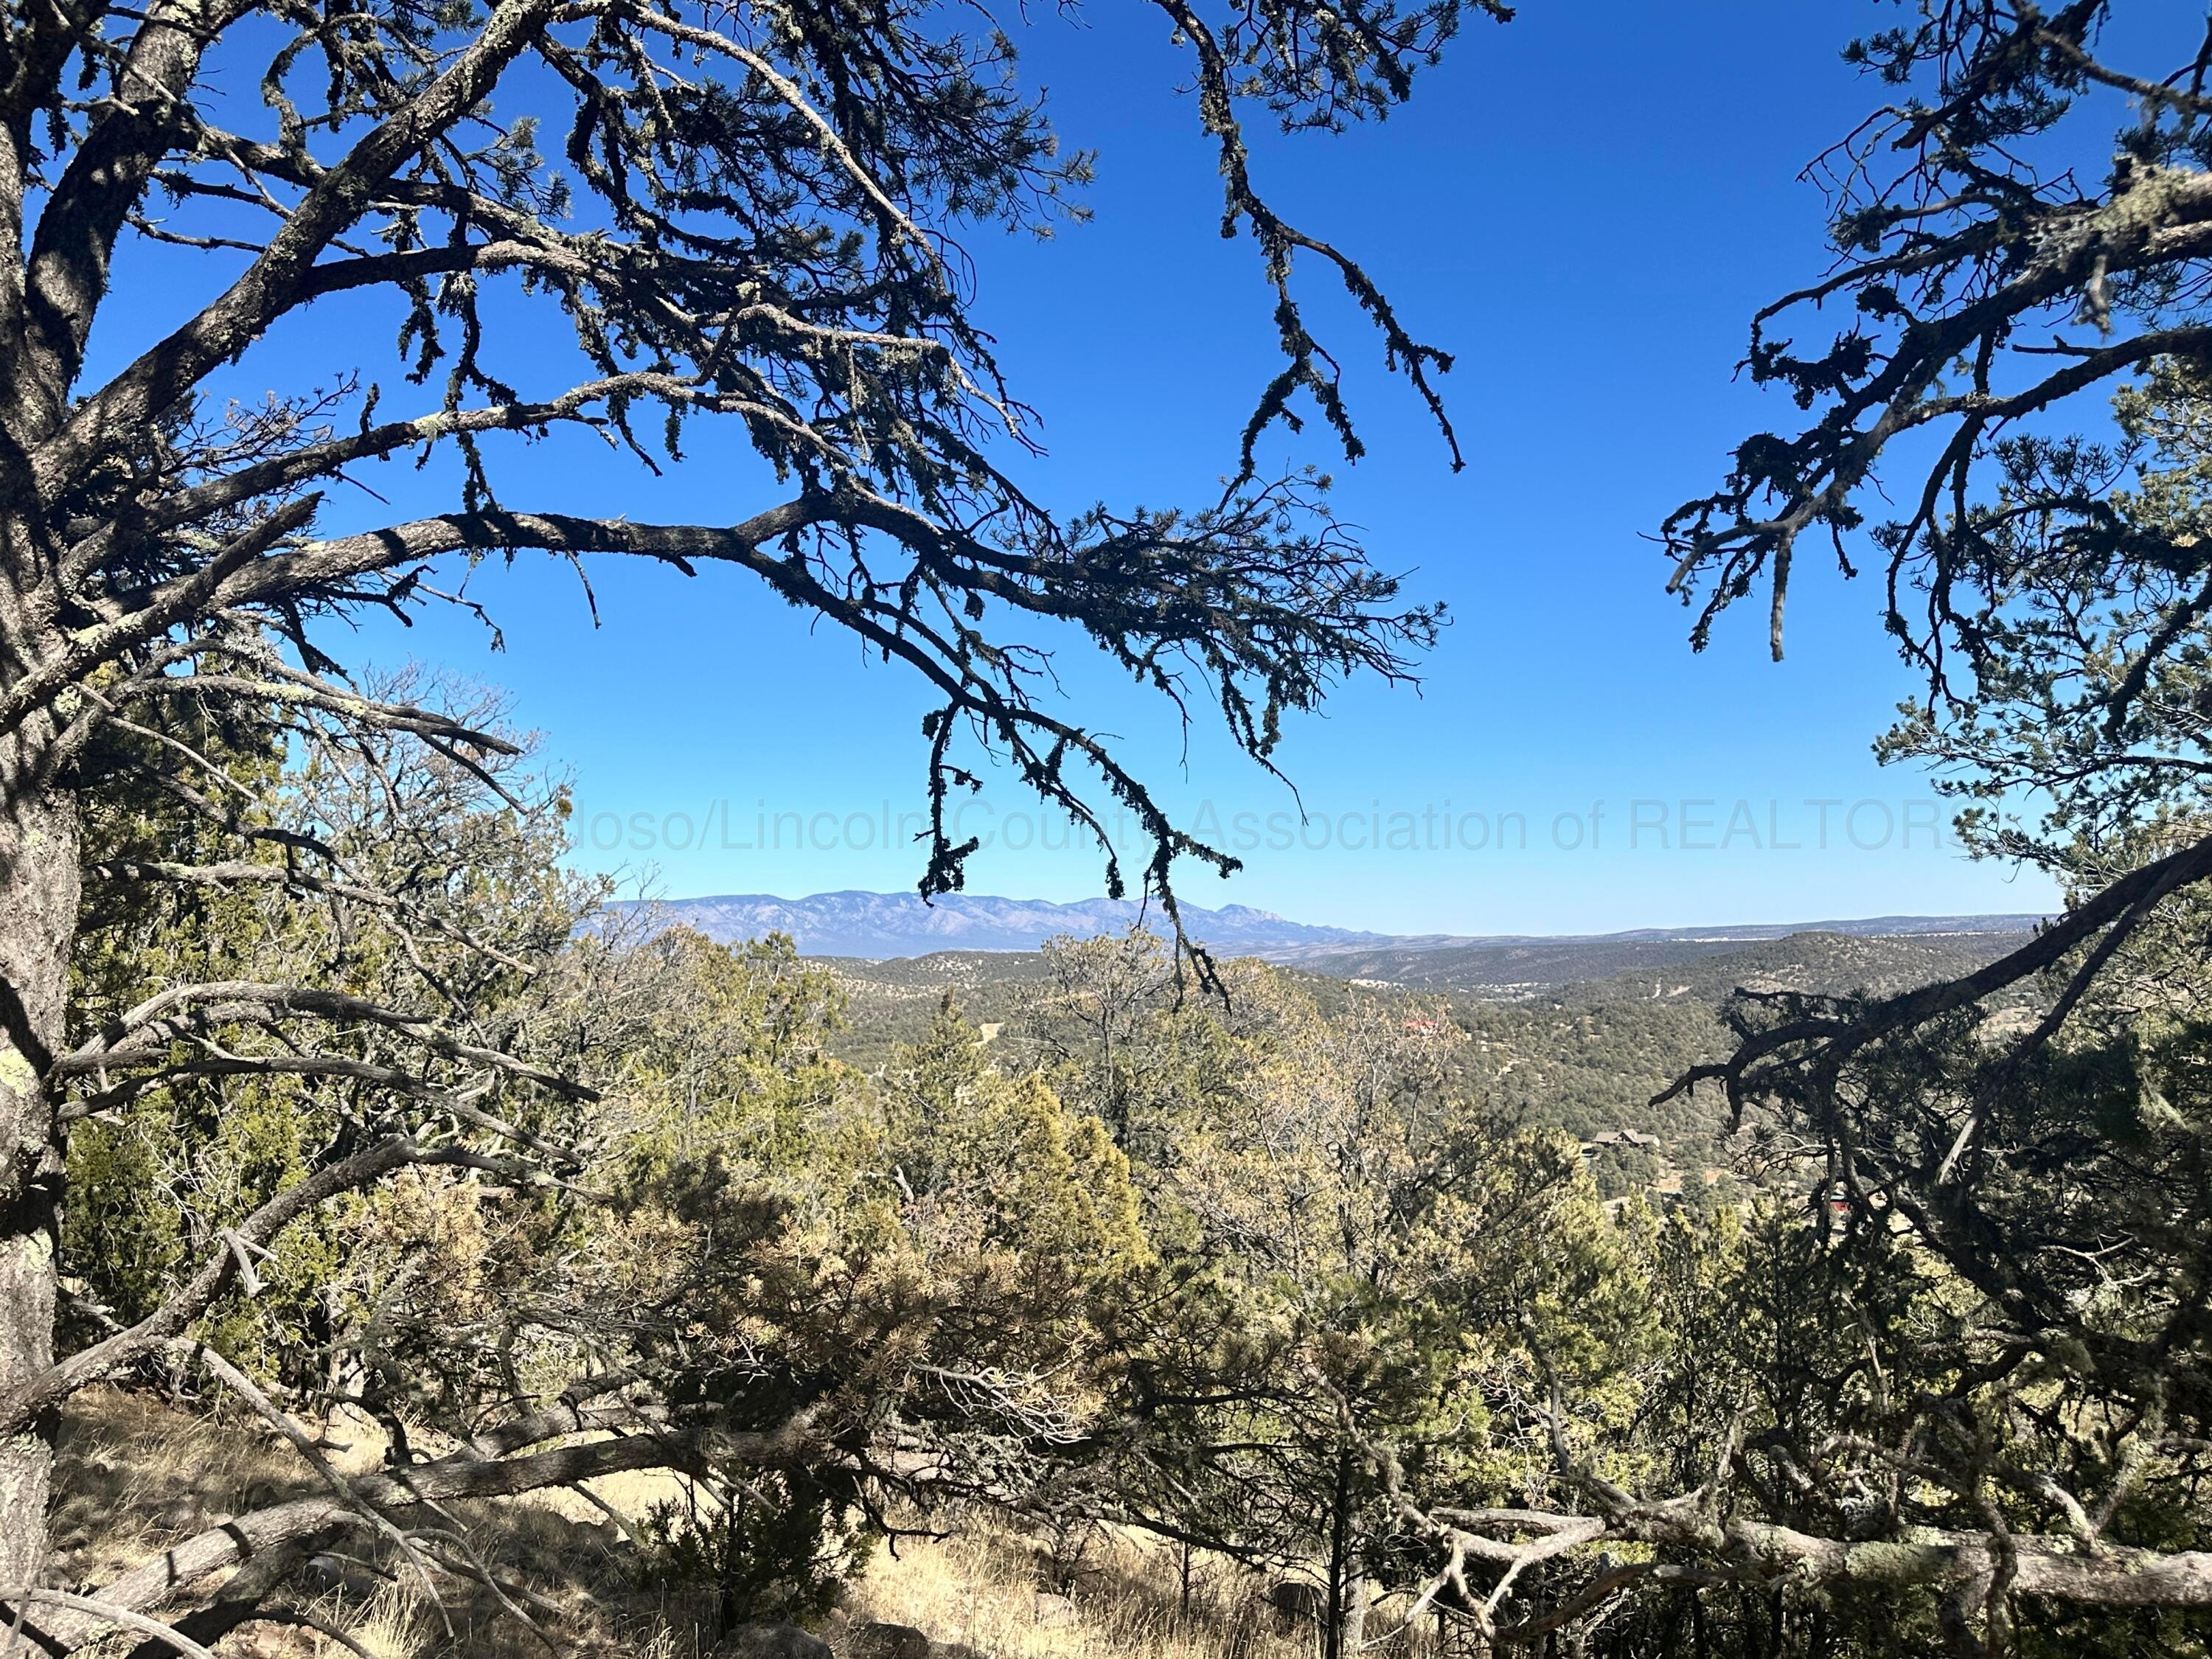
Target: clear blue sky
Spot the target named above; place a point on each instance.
(1586, 206)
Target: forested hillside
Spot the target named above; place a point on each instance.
(1586, 1056)
(1818, 963)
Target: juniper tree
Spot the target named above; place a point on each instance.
(692, 1231)
(1364, 1273)
(593, 220)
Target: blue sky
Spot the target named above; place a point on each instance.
(1585, 205)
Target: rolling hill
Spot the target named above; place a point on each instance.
(1577, 1033)
(1564, 1046)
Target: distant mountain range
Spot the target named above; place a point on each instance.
(880, 927)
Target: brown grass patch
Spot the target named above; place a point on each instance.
(980, 1588)
(136, 1476)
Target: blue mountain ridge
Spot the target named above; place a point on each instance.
(881, 925)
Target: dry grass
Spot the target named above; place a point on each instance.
(135, 1476)
(394, 1623)
(983, 1587)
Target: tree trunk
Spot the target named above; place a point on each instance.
(1352, 1615)
(39, 883)
(1345, 1626)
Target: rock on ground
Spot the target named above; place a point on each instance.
(771, 1641)
(1297, 1600)
(881, 1640)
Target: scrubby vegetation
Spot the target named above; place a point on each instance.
(1274, 1290)
(398, 1253)
(1587, 1056)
